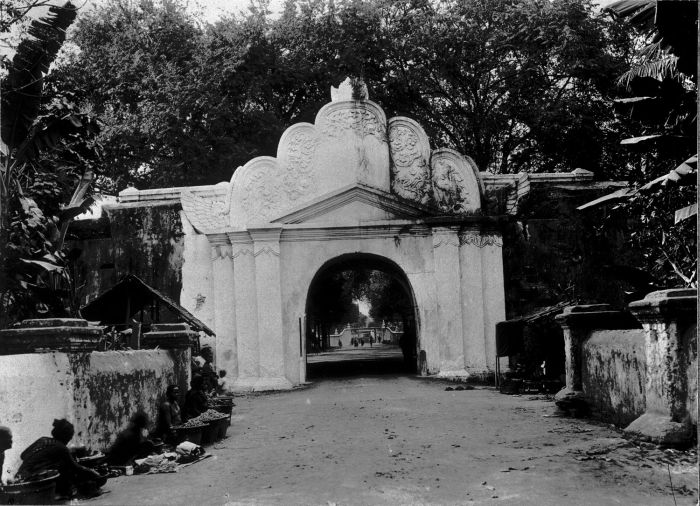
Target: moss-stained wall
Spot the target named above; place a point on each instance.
(552, 252)
(148, 242)
(614, 374)
(97, 392)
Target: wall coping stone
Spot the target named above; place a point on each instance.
(674, 304)
(169, 339)
(596, 316)
(51, 322)
(64, 339)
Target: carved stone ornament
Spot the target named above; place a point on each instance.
(455, 182)
(349, 143)
(205, 215)
(479, 240)
(410, 154)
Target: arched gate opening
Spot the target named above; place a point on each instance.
(361, 319)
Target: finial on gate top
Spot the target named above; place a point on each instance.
(353, 88)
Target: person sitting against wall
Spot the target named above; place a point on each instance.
(5, 444)
(196, 401)
(131, 443)
(52, 454)
(208, 373)
(169, 414)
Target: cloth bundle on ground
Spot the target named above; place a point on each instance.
(153, 464)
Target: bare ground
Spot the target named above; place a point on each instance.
(403, 440)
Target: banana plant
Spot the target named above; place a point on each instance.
(31, 133)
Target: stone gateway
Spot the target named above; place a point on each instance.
(351, 184)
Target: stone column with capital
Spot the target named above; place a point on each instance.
(224, 307)
(266, 250)
(448, 290)
(577, 323)
(669, 319)
(246, 310)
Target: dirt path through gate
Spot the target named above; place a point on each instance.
(401, 440)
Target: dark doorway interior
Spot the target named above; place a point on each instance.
(360, 319)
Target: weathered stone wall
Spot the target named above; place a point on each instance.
(144, 239)
(97, 392)
(552, 252)
(614, 374)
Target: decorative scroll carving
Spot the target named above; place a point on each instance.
(360, 120)
(205, 215)
(353, 145)
(447, 240)
(410, 152)
(455, 182)
(479, 240)
(296, 152)
(258, 193)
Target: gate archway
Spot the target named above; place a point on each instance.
(351, 185)
(337, 344)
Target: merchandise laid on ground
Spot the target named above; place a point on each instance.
(186, 449)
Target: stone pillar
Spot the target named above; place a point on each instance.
(246, 311)
(669, 319)
(224, 307)
(577, 322)
(493, 291)
(268, 287)
(472, 301)
(447, 278)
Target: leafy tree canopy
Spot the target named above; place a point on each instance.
(516, 84)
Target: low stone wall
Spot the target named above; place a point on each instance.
(614, 374)
(644, 377)
(96, 391)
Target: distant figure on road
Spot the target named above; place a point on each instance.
(340, 343)
(362, 341)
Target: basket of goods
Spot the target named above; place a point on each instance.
(222, 404)
(91, 459)
(39, 489)
(190, 431)
(212, 419)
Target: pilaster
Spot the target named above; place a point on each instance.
(266, 252)
(493, 290)
(246, 312)
(450, 331)
(224, 306)
(472, 296)
(669, 319)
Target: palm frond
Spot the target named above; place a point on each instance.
(656, 69)
(21, 89)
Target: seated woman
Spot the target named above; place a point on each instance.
(5, 444)
(169, 414)
(196, 401)
(51, 453)
(130, 443)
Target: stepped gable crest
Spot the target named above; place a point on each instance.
(349, 143)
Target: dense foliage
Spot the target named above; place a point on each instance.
(658, 104)
(516, 84)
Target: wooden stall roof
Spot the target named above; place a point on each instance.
(119, 303)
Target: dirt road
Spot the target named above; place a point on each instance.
(391, 440)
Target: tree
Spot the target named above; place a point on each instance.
(43, 142)
(660, 102)
(516, 84)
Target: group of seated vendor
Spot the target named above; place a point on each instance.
(51, 454)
